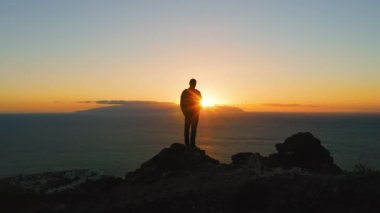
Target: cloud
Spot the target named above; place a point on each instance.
(289, 105)
(113, 102)
(122, 102)
(109, 102)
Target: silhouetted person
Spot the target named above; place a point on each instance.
(191, 106)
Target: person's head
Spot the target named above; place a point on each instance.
(193, 83)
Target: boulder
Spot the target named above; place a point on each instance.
(305, 151)
(248, 159)
(241, 158)
(176, 158)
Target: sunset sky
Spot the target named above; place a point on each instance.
(312, 56)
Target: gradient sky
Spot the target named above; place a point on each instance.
(260, 55)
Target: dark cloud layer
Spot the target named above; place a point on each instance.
(111, 102)
(289, 105)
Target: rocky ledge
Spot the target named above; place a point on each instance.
(300, 177)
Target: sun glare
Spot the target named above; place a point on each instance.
(207, 102)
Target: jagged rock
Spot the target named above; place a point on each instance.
(177, 157)
(241, 158)
(253, 160)
(301, 150)
(305, 151)
(185, 179)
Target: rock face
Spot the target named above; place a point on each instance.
(186, 180)
(301, 150)
(248, 159)
(177, 157)
(305, 151)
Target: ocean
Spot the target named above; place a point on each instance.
(114, 145)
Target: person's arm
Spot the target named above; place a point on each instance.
(182, 102)
(200, 100)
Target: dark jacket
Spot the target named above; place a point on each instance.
(191, 101)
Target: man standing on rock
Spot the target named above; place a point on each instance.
(191, 106)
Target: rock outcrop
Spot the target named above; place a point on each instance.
(300, 177)
(305, 151)
(301, 150)
(172, 160)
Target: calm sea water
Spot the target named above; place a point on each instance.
(114, 145)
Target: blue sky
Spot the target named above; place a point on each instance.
(50, 49)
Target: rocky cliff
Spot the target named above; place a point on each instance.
(300, 177)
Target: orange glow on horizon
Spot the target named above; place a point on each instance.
(73, 106)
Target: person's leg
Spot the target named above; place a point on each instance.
(187, 129)
(194, 125)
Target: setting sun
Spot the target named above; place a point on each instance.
(206, 102)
